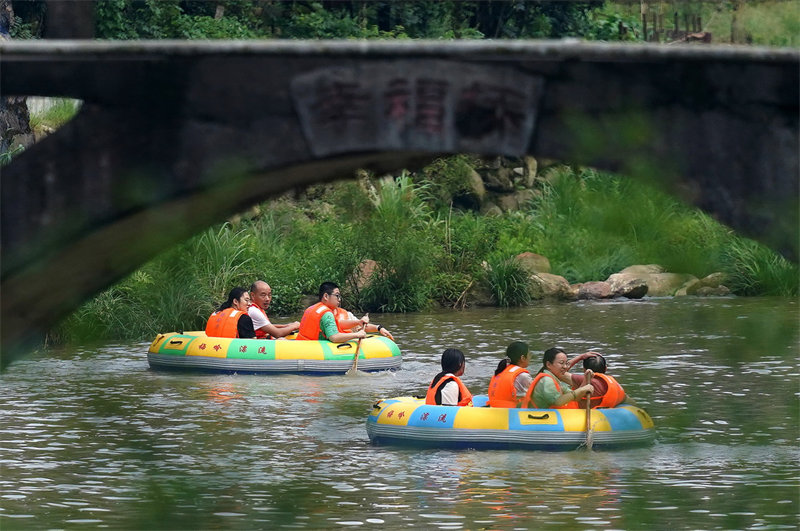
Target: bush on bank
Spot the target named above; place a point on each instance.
(428, 253)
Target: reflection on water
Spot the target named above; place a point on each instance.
(92, 437)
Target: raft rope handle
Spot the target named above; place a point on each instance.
(176, 342)
(344, 345)
(544, 416)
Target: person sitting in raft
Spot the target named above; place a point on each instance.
(446, 388)
(511, 379)
(260, 297)
(231, 319)
(347, 322)
(606, 391)
(318, 321)
(552, 386)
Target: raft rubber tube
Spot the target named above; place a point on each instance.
(197, 351)
(409, 421)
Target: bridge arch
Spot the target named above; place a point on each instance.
(175, 136)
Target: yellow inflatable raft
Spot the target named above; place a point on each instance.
(195, 350)
(409, 421)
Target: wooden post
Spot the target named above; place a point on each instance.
(675, 28)
(644, 27)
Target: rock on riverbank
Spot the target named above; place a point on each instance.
(633, 282)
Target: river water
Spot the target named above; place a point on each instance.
(91, 437)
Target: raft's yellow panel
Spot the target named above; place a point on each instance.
(397, 414)
(293, 350)
(214, 347)
(599, 421)
(526, 418)
(481, 418)
(575, 420)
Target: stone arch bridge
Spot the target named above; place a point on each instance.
(175, 136)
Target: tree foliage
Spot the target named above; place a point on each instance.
(247, 19)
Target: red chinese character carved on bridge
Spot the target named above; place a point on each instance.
(337, 102)
(430, 105)
(396, 99)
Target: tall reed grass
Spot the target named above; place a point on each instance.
(588, 224)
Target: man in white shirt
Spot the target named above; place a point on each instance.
(260, 297)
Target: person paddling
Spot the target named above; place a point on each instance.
(606, 391)
(511, 379)
(319, 322)
(446, 388)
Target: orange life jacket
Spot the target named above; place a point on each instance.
(464, 396)
(529, 402)
(340, 314)
(501, 387)
(223, 324)
(615, 394)
(309, 324)
(260, 334)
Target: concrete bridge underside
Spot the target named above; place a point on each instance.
(175, 136)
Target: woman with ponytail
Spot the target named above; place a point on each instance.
(446, 389)
(511, 380)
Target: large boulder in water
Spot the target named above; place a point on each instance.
(594, 290)
(627, 285)
(666, 284)
(552, 286)
(649, 269)
(713, 284)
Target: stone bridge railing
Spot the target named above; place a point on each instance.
(175, 136)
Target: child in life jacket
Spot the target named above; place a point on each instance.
(607, 392)
(446, 389)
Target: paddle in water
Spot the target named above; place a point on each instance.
(354, 369)
(589, 415)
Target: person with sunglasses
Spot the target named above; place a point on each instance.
(319, 321)
(553, 386)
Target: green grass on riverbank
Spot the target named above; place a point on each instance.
(588, 224)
